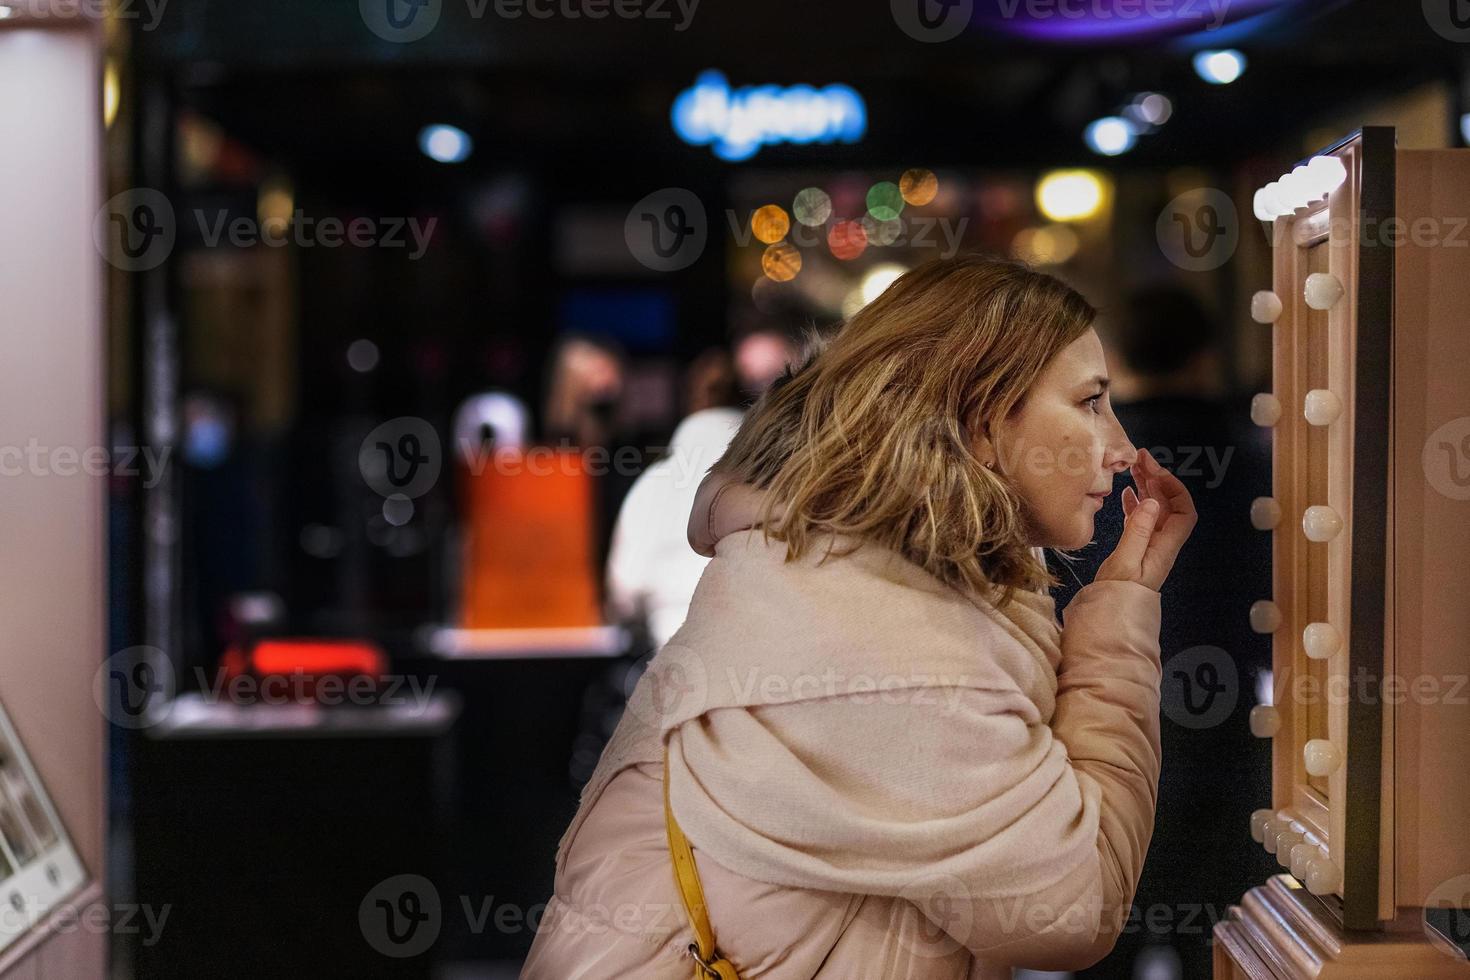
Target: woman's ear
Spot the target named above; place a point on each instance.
(983, 446)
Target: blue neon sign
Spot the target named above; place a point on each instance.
(738, 122)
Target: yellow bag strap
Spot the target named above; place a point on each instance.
(711, 965)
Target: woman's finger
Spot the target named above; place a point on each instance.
(1138, 530)
(1178, 515)
(1170, 491)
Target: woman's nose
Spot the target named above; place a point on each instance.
(1121, 453)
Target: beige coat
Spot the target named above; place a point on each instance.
(880, 778)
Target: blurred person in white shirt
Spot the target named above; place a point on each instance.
(651, 570)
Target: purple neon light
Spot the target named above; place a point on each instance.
(1112, 20)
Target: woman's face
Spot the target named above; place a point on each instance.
(1061, 448)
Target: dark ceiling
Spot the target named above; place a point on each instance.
(307, 82)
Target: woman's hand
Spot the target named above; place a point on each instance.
(1155, 527)
(722, 506)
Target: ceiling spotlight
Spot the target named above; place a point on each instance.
(1219, 67)
(1070, 195)
(1110, 136)
(1149, 110)
(447, 144)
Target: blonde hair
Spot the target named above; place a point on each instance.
(872, 434)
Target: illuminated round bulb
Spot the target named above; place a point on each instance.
(1265, 307)
(918, 186)
(446, 144)
(1265, 721)
(1306, 192)
(1321, 407)
(1293, 191)
(1258, 824)
(1070, 195)
(781, 262)
(1271, 199)
(1300, 854)
(1327, 173)
(1270, 830)
(1265, 513)
(770, 224)
(1110, 136)
(1290, 192)
(812, 207)
(1219, 67)
(1323, 876)
(1154, 108)
(1265, 616)
(1321, 523)
(1321, 757)
(1265, 410)
(1261, 204)
(1321, 640)
(1286, 842)
(1322, 291)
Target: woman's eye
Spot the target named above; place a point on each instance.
(1092, 402)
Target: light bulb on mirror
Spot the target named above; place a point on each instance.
(1322, 290)
(1321, 407)
(1321, 523)
(1265, 721)
(1270, 827)
(1265, 513)
(1327, 173)
(1321, 757)
(1262, 206)
(1323, 876)
(1265, 616)
(1294, 190)
(1300, 854)
(1286, 841)
(1321, 640)
(1265, 410)
(1258, 824)
(1265, 307)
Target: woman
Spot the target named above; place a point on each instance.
(889, 759)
